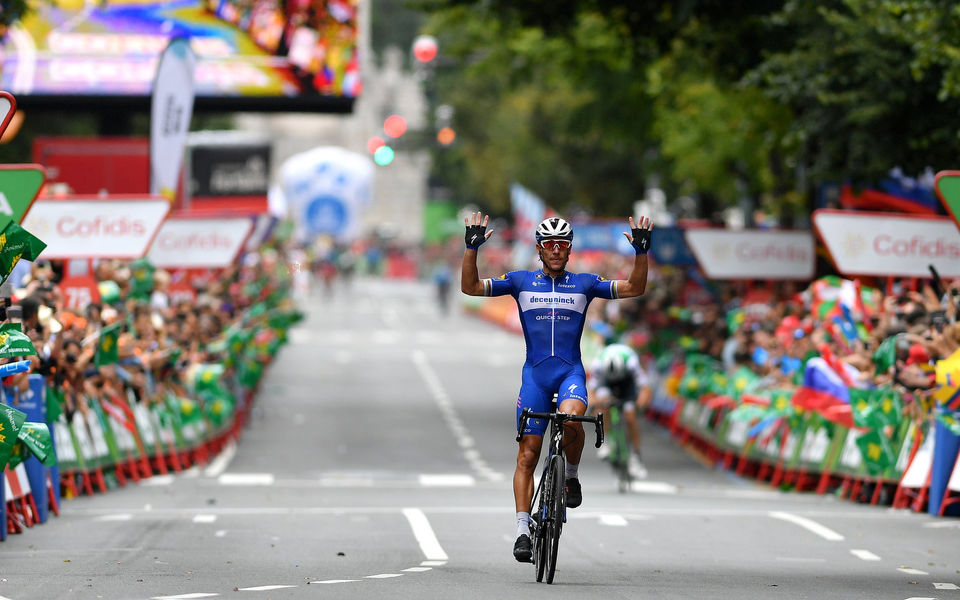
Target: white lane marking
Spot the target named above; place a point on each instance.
(158, 480)
(864, 555)
(911, 571)
(117, 517)
(204, 518)
(4, 598)
(417, 569)
(946, 586)
(447, 480)
(613, 520)
(222, 461)
(334, 581)
(808, 524)
(919, 598)
(193, 472)
(221, 533)
(246, 479)
(653, 487)
(384, 576)
(800, 559)
(433, 563)
(185, 596)
(265, 588)
(424, 533)
(452, 419)
(943, 524)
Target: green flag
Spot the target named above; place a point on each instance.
(55, 402)
(11, 420)
(743, 381)
(36, 438)
(14, 342)
(107, 352)
(109, 291)
(876, 451)
(141, 278)
(16, 243)
(889, 406)
(886, 354)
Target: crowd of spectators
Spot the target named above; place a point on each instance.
(163, 338)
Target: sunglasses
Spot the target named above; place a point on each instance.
(551, 244)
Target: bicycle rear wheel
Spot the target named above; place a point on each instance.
(557, 509)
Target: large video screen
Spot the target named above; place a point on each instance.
(252, 54)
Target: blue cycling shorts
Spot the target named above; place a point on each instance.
(539, 383)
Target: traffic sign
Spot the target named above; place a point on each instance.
(947, 184)
(19, 186)
(8, 106)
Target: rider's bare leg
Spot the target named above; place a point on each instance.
(573, 432)
(527, 456)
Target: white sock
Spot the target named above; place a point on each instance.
(523, 523)
(572, 471)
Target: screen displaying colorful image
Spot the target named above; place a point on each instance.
(251, 53)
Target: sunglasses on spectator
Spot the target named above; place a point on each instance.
(551, 244)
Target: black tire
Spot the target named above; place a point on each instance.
(557, 506)
(539, 547)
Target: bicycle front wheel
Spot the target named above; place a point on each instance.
(557, 509)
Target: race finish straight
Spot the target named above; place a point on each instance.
(552, 303)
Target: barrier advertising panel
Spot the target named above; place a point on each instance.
(885, 244)
(752, 253)
(89, 227)
(196, 242)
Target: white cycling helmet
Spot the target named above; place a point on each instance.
(614, 366)
(554, 228)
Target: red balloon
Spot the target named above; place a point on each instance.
(425, 48)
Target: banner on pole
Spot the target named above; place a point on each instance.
(197, 242)
(87, 227)
(752, 253)
(170, 113)
(887, 244)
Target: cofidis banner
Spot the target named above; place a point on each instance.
(752, 253)
(170, 113)
(89, 227)
(199, 242)
(887, 244)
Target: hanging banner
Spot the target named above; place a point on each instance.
(752, 253)
(8, 106)
(170, 112)
(887, 244)
(93, 227)
(198, 242)
(947, 184)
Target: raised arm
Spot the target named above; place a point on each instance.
(639, 238)
(476, 235)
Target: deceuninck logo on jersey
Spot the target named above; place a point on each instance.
(534, 300)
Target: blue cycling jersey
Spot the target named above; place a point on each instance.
(552, 310)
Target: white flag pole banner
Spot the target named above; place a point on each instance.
(199, 242)
(325, 190)
(752, 253)
(8, 106)
(170, 112)
(78, 227)
(889, 245)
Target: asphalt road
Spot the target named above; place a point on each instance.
(378, 462)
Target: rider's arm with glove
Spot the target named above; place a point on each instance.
(476, 234)
(639, 237)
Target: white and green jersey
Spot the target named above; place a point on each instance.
(635, 378)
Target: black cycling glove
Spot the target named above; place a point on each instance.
(641, 240)
(475, 236)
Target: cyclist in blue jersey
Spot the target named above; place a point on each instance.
(552, 303)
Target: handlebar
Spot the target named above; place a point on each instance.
(560, 418)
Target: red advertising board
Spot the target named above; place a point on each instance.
(88, 165)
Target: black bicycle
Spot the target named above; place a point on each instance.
(550, 495)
